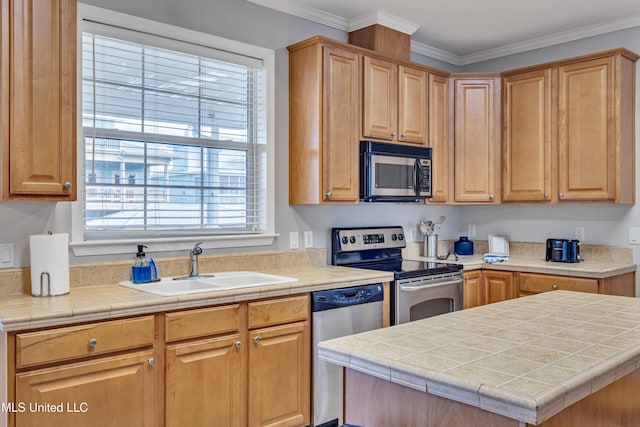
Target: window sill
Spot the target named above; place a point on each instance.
(124, 246)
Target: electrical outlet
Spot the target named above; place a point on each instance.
(293, 240)
(634, 235)
(308, 239)
(578, 233)
(471, 232)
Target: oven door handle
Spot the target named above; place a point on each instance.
(406, 288)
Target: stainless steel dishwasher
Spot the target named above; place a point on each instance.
(337, 313)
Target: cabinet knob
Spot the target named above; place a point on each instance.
(93, 342)
(554, 286)
(67, 185)
(561, 195)
(546, 195)
(329, 194)
(237, 344)
(256, 339)
(490, 196)
(393, 134)
(151, 361)
(402, 135)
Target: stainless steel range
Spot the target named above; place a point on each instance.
(421, 289)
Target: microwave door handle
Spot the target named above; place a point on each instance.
(417, 173)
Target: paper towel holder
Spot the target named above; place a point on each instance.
(42, 275)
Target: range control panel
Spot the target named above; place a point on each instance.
(358, 239)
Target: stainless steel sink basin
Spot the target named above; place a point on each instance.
(209, 283)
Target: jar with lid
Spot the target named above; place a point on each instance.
(463, 246)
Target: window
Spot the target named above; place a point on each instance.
(175, 136)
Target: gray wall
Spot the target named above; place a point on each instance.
(250, 23)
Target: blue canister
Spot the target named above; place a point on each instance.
(463, 246)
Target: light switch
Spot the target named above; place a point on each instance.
(7, 255)
(634, 235)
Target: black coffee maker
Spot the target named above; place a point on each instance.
(563, 250)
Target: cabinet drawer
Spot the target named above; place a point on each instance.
(61, 344)
(202, 322)
(278, 311)
(536, 283)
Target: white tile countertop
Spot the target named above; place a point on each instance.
(526, 358)
(101, 302)
(594, 269)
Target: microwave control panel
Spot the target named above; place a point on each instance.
(424, 178)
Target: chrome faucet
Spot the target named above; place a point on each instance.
(193, 254)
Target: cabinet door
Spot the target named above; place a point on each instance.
(108, 392)
(38, 99)
(439, 137)
(476, 140)
(380, 99)
(586, 133)
(412, 105)
(341, 118)
(279, 376)
(527, 137)
(473, 295)
(203, 383)
(498, 286)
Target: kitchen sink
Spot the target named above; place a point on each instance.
(208, 283)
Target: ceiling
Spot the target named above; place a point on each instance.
(466, 31)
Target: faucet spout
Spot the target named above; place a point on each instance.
(193, 254)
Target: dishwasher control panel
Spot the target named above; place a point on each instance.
(345, 297)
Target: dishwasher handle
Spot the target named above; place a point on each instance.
(413, 288)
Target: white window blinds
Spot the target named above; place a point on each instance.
(174, 142)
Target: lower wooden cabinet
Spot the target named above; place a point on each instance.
(473, 291)
(533, 283)
(485, 286)
(498, 286)
(244, 364)
(203, 385)
(112, 391)
(279, 376)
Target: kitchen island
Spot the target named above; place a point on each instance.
(554, 359)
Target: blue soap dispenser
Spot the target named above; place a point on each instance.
(141, 271)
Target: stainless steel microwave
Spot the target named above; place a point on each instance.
(394, 172)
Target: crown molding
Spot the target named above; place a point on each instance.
(383, 18)
(408, 27)
(552, 39)
(306, 12)
(435, 53)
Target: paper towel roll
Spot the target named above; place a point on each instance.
(49, 263)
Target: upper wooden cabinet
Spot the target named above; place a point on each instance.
(394, 102)
(568, 130)
(527, 137)
(596, 129)
(38, 99)
(439, 137)
(476, 128)
(324, 124)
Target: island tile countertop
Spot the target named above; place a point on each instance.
(100, 302)
(593, 269)
(526, 358)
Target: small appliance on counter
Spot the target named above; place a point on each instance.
(563, 250)
(463, 246)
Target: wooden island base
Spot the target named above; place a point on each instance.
(372, 402)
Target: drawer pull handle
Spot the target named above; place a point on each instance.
(256, 339)
(93, 342)
(237, 344)
(151, 361)
(554, 286)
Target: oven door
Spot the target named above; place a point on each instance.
(421, 297)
